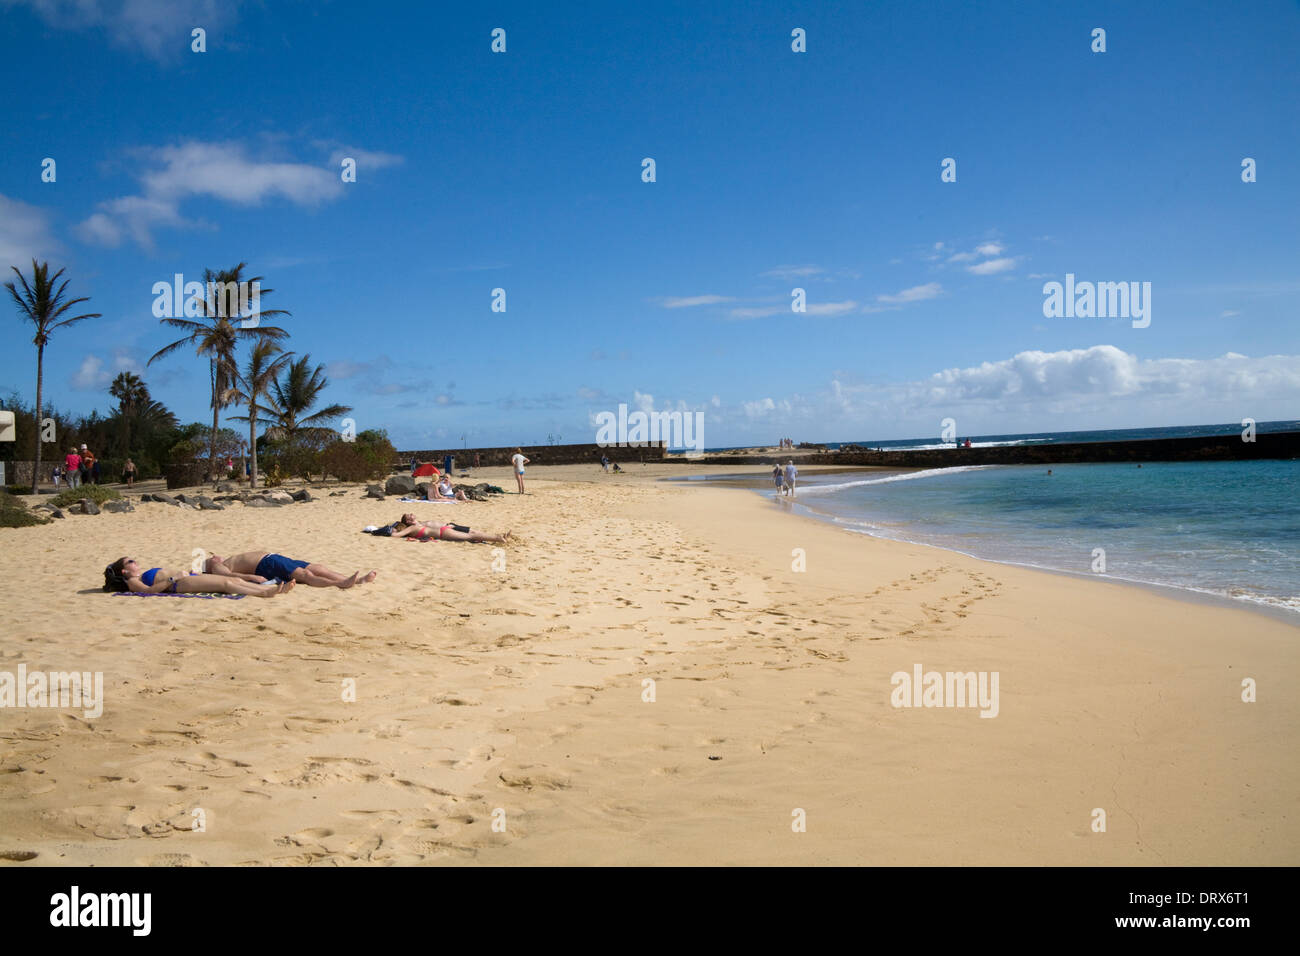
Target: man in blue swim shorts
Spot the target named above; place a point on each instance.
(259, 566)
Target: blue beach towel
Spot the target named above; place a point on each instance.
(233, 597)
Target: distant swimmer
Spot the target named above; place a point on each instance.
(1049, 471)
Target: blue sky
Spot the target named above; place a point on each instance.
(774, 169)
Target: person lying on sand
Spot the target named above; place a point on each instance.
(125, 574)
(414, 530)
(263, 565)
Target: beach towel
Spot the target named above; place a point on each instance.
(233, 597)
(435, 501)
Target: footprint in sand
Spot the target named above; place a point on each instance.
(311, 835)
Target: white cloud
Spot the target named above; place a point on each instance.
(24, 235)
(1228, 313)
(692, 300)
(758, 312)
(160, 28)
(793, 272)
(219, 170)
(366, 159)
(1097, 387)
(916, 293)
(766, 408)
(830, 308)
(990, 249)
(94, 375)
(991, 266)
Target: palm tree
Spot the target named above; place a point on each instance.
(41, 305)
(295, 394)
(251, 384)
(131, 394)
(219, 337)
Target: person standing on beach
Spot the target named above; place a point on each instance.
(94, 471)
(776, 477)
(791, 472)
(518, 460)
(72, 467)
(56, 476)
(128, 473)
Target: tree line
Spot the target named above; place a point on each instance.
(275, 389)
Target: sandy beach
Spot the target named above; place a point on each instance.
(503, 716)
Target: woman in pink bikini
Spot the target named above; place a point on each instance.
(408, 527)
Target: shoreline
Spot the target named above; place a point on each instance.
(1197, 596)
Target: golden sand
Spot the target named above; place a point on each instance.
(502, 716)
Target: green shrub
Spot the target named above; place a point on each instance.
(14, 513)
(96, 493)
(368, 458)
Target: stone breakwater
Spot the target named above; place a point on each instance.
(1214, 448)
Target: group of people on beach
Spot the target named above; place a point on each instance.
(81, 467)
(262, 573)
(257, 573)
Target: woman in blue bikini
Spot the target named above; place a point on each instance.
(125, 574)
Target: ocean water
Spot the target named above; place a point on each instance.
(1228, 528)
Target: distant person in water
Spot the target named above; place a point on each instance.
(125, 574)
(262, 565)
(408, 527)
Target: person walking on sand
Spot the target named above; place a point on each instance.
(791, 472)
(776, 477)
(56, 475)
(518, 460)
(128, 473)
(262, 565)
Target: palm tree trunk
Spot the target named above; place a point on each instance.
(252, 445)
(212, 445)
(36, 468)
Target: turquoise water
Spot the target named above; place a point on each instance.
(1225, 528)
